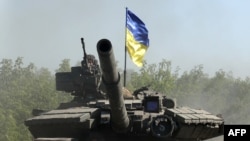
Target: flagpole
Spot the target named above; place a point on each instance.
(125, 55)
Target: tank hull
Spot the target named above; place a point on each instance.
(148, 116)
(82, 123)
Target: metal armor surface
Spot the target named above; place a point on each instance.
(105, 114)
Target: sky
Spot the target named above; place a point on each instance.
(212, 33)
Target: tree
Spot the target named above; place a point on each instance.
(64, 66)
(158, 76)
(221, 94)
(22, 89)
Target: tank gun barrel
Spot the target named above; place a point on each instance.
(111, 80)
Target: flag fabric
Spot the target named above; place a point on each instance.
(137, 41)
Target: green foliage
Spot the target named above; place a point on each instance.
(221, 94)
(23, 88)
(158, 76)
(191, 82)
(64, 66)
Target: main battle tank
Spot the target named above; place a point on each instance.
(97, 114)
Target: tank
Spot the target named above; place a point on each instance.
(100, 111)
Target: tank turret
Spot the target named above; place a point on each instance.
(97, 114)
(83, 81)
(111, 80)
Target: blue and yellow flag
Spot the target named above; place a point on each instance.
(137, 41)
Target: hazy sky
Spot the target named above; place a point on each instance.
(214, 33)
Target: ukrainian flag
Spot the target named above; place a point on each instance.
(137, 41)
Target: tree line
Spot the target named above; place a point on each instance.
(23, 88)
